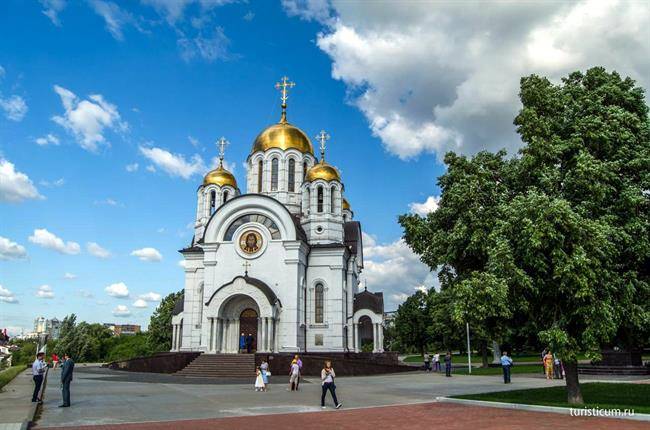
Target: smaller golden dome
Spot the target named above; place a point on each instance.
(346, 204)
(323, 171)
(221, 177)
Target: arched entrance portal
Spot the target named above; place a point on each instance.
(248, 321)
(366, 334)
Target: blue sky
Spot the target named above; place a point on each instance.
(88, 90)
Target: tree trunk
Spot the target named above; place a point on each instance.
(484, 354)
(574, 395)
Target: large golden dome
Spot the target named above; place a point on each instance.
(323, 171)
(283, 136)
(221, 177)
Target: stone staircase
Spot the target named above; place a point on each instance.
(614, 370)
(220, 366)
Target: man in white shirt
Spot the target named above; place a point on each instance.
(38, 370)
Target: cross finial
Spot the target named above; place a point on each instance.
(246, 265)
(322, 137)
(222, 143)
(284, 85)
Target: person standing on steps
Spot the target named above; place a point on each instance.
(249, 343)
(242, 342)
(38, 370)
(327, 376)
(448, 364)
(506, 364)
(66, 377)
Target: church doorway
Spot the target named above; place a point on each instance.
(365, 334)
(248, 325)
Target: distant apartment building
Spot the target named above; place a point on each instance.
(50, 326)
(123, 329)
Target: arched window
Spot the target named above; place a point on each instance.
(213, 201)
(304, 170)
(318, 304)
(332, 200)
(260, 219)
(225, 197)
(260, 175)
(200, 319)
(292, 175)
(319, 196)
(274, 174)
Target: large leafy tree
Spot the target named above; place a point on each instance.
(413, 321)
(160, 325)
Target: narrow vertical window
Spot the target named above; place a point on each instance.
(225, 196)
(260, 175)
(332, 200)
(274, 174)
(318, 304)
(319, 196)
(292, 175)
(304, 170)
(213, 201)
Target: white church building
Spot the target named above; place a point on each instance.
(280, 262)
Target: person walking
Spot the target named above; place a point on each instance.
(448, 364)
(264, 369)
(299, 363)
(427, 362)
(294, 374)
(55, 361)
(66, 377)
(38, 370)
(436, 362)
(327, 376)
(557, 367)
(548, 364)
(242, 342)
(506, 364)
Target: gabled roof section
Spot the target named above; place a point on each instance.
(179, 306)
(370, 301)
(353, 239)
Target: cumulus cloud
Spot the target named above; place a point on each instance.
(147, 254)
(140, 304)
(48, 139)
(88, 119)
(96, 250)
(7, 296)
(45, 239)
(121, 311)
(174, 164)
(394, 269)
(10, 250)
(150, 297)
(45, 292)
(119, 290)
(423, 209)
(14, 107)
(15, 186)
(69, 276)
(51, 9)
(434, 77)
(132, 167)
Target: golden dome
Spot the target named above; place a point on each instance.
(323, 171)
(283, 136)
(346, 204)
(221, 177)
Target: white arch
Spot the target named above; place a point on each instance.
(374, 317)
(218, 304)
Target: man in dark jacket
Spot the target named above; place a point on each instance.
(66, 377)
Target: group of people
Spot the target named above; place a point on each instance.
(39, 367)
(553, 368)
(295, 372)
(432, 363)
(246, 343)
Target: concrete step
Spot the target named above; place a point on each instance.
(220, 366)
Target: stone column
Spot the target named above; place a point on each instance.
(276, 337)
(374, 338)
(173, 337)
(357, 347)
(267, 334)
(381, 337)
(272, 339)
(224, 339)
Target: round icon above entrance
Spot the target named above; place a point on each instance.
(250, 242)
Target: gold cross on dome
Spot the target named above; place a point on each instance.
(284, 85)
(246, 265)
(322, 137)
(222, 143)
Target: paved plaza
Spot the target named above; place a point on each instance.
(106, 397)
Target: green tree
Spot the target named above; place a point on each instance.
(160, 324)
(413, 321)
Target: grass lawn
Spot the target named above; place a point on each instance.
(595, 394)
(7, 375)
(480, 371)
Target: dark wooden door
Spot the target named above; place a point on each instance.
(248, 324)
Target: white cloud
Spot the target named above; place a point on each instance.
(96, 250)
(121, 311)
(151, 169)
(56, 183)
(174, 164)
(181, 263)
(7, 296)
(394, 269)
(147, 254)
(87, 119)
(423, 209)
(10, 250)
(211, 47)
(174, 10)
(48, 139)
(48, 240)
(444, 76)
(114, 17)
(52, 9)
(132, 167)
(45, 292)
(140, 304)
(150, 297)
(69, 276)
(15, 186)
(119, 290)
(15, 107)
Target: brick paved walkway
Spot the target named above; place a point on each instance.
(420, 416)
